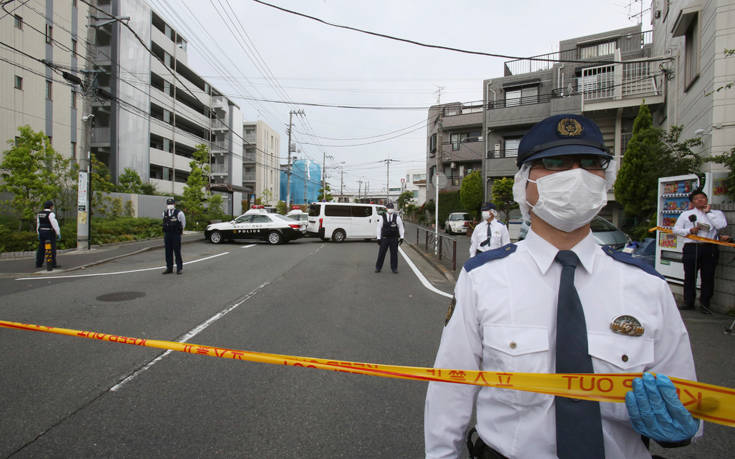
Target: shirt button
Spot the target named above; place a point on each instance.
(512, 345)
(624, 358)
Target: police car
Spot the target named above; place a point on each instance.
(272, 228)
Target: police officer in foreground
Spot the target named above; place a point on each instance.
(47, 228)
(174, 223)
(701, 220)
(556, 302)
(390, 235)
(489, 233)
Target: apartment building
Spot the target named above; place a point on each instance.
(153, 109)
(695, 35)
(31, 92)
(415, 182)
(260, 164)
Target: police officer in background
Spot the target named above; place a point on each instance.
(390, 235)
(556, 302)
(489, 233)
(174, 223)
(47, 228)
(700, 221)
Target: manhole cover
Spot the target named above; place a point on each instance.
(120, 296)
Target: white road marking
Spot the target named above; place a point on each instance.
(118, 272)
(189, 335)
(421, 277)
(247, 246)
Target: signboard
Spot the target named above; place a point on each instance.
(83, 195)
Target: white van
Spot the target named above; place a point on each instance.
(339, 221)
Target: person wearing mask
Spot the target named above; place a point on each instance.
(489, 233)
(174, 222)
(47, 228)
(390, 235)
(700, 221)
(557, 302)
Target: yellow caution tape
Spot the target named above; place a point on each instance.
(705, 401)
(695, 238)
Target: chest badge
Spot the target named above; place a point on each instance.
(627, 325)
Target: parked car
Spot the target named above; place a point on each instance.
(339, 221)
(457, 222)
(299, 216)
(604, 232)
(645, 251)
(272, 228)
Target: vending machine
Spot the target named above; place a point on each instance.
(673, 199)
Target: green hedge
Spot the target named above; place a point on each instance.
(104, 230)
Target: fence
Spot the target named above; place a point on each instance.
(446, 246)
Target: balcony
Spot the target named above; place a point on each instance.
(219, 103)
(249, 157)
(220, 148)
(220, 169)
(248, 178)
(469, 114)
(218, 125)
(620, 85)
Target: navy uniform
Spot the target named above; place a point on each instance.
(174, 222)
(390, 235)
(699, 256)
(47, 228)
(510, 303)
(489, 233)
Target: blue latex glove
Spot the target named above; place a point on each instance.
(656, 411)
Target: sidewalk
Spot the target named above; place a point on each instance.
(72, 259)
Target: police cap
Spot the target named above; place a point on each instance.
(170, 201)
(488, 206)
(48, 204)
(389, 205)
(561, 135)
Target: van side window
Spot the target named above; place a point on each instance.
(361, 211)
(336, 211)
(314, 210)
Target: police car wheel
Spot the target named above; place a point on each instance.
(274, 237)
(215, 237)
(338, 235)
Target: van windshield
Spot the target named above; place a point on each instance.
(314, 210)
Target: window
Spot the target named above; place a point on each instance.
(74, 150)
(18, 82)
(49, 33)
(18, 22)
(456, 139)
(337, 211)
(361, 211)
(598, 49)
(521, 96)
(691, 53)
(512, 98)
(261, 219)
(73, 99)
(432, 144)
(511, 146)
(49, 90)
(74, 46)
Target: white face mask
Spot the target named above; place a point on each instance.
(485, 214)
(170, 207)
(569, 199)
(390, 211)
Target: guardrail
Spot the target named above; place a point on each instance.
(446, 246)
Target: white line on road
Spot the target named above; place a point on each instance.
(247, 246)
(189, 335)
(118, 272)
(421, 277)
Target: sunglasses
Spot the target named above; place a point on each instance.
(563, 163)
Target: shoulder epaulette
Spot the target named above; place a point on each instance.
(628, 259)
(484, 257)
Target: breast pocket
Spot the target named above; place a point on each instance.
(520, 349)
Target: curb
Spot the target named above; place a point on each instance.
(438, 266)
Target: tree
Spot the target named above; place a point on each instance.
(651, 153)
(503, 197)
(148, 188)
(471, 191)
(101, 183)
(322, 196)
(129, 182)
(195, 194)
(281, 208)
(727, 159)
(30, 171)
(405, 198)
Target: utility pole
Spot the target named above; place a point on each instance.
(387, 179)
(359, 190)
(440, 127)
(324, 175)
(288, 170)
(306, 178)
(341, 183)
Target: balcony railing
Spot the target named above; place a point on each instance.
(517, 102)
(619, 81)
(249, 157)
(248, 177)
(220, 169)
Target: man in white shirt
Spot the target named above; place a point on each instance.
(700, 221)
(489, 233)
(557, 302)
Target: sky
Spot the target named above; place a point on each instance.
(248, 51)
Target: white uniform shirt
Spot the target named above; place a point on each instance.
(498, 236)
(513, 300)
(714, 219)
(399, 222)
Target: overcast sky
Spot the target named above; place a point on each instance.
(264, 53)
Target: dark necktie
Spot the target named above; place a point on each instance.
(578, 422)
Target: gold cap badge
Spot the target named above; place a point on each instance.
(569, 127)
(627, 325)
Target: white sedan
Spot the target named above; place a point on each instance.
(272, 228)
